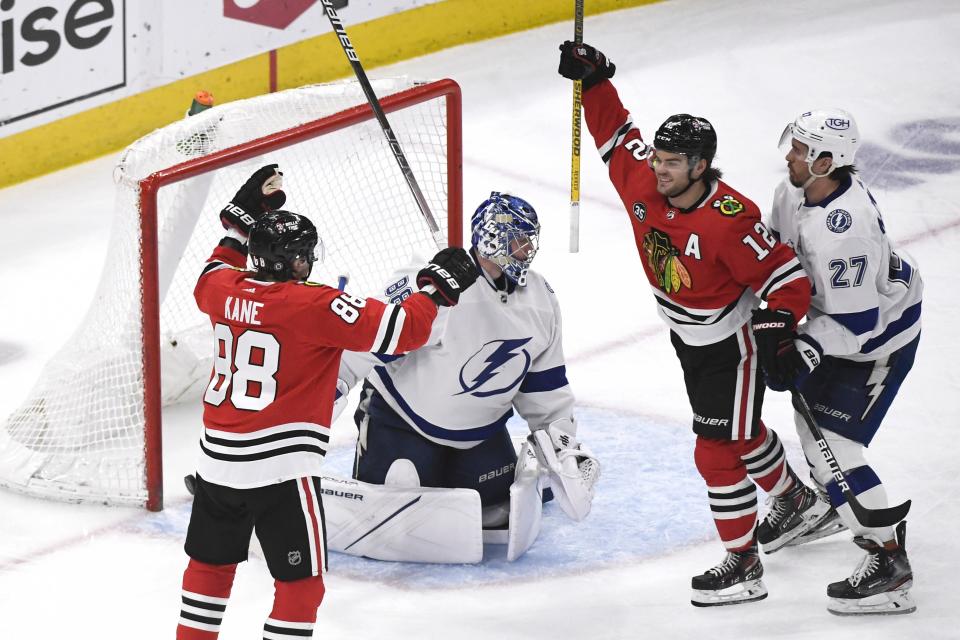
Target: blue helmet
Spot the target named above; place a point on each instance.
(506, 231)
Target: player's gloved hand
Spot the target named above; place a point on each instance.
(262, 192)
(796, 359)
(771, 329)
(583, 62)
(449, 273)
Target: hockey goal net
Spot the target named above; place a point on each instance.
(90, 428)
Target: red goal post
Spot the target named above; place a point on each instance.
(100, 439)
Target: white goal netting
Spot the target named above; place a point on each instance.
(80, 434)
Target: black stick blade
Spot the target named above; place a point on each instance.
(875, 518)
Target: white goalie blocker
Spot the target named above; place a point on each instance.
(403, 522)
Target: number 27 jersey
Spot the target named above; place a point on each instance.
(267, 408)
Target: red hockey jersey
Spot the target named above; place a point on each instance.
(268, 405)
(707, 266)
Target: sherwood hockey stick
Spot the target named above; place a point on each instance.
(575, 139)
(886, 517)
(329, 7)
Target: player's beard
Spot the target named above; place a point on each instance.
(674, 188)
(794, 180)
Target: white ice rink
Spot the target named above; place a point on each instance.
(69, 571)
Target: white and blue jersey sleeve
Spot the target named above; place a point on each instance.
(486, 357)
(866, 296)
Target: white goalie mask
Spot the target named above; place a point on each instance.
(831, 130)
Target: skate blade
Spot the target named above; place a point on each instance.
(749, 591)
(817, 534)
(804, 527)
(892, 603)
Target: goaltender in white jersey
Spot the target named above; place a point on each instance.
(850, 357)
(432, 423)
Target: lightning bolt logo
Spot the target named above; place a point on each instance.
(491, 360)
(875, 384)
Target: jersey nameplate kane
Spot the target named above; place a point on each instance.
(240, 310)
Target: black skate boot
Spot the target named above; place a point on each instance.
(828, 525)
(790, 516)
(879, 585)
(733, 581)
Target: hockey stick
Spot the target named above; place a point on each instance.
(575, 139)
(872, 518)
(354, 59)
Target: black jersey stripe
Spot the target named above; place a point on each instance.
(700, 320)
(252, 442)
(263, 455)
(773, 283)
(213, 266)
(388, 334)
(618, 139)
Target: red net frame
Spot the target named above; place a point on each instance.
(150, 186)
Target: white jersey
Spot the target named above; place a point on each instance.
(866, 296)
(490, 354)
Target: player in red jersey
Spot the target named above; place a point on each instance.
(709, 261)
(267, 408)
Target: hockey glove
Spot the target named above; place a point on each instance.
(573, 468)
(773, 330)
(450, 273)
(262, 192)
(583, 62)
(796, 359)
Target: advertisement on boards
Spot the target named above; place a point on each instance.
(54, 53)
(61, 57)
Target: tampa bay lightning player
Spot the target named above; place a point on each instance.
(436, 417)
(858, 344)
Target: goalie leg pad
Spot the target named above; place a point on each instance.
(526, 504)
(402, 523)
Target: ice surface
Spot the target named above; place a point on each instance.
(70, 571)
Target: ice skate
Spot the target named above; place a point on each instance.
(733, 581)
(879, 585)
(828, 525)
(791, 515)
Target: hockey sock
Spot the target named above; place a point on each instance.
(206, 588)
(767, 464)
(732, 496)
(295, 607)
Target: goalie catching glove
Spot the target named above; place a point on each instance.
(573, 469)
(450, 273)
(262, 192)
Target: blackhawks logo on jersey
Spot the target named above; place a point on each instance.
(664, 260)
(728, 205)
